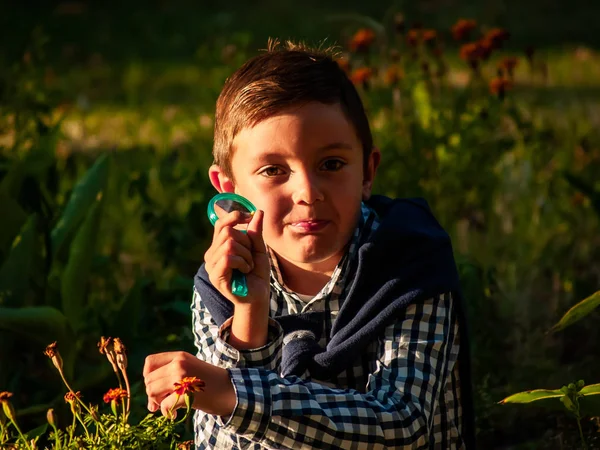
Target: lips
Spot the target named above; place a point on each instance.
(309, 226)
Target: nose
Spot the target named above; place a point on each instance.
(306, 188)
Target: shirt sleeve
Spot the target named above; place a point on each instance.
(212, 345)
(415, 358)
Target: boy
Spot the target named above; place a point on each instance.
(352, 334)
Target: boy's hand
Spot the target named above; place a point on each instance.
(246, 252)
(232, 249)
(163, 370)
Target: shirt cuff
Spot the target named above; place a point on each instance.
(252, 412)
(266, 357)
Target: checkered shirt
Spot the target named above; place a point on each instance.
(402, 392)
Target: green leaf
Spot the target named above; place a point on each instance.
(577, 312)
(17, 268)
(44, 325)
(532, 396)
(37, 432)
(127, 319)
(88, 189)
(13, 218)
(592, 389)
(74, 279)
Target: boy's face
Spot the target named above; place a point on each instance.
(304, 169)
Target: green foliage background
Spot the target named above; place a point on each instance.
(105, 138)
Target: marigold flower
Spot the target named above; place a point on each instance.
(393, 75)
(52, 353)
(189, 384)
(104, 345)
(429, 36)
(485, 49)
(496, 37)
(71, 397)
(471, 53)
(499, 86)
(7, 407)
(121, 352)
(114, 394)
(413, 37)
(361, 76)
(462, 29)
(362, 40)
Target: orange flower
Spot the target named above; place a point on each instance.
(413, 37)
(496, 37)
(344, 64)
(71, 397)
(104, 345)
(362, 40)
(499, 86)
(429, 36)
(189, 384)
(471, 52)
(7, 407)
(362, 75)
(393, 75)
(485, 49)
(462, 28)
(114, 394)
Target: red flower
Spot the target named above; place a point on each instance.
(471, 52)
(413, 36)
(496, 37)
(4, 396)
(114, 394)
(362, 40)
(462, 28)
(361, 75)
(189, 384)
(499, 86)
(393, 75)
(429, 36)
(71, 397)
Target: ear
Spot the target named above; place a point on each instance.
(220, 181)
(371, 170)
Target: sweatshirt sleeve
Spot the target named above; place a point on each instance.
(415, 359)
(211, 342)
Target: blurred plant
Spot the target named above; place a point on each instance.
(92, 429)
(577, 399)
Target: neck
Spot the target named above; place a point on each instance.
(307, 279)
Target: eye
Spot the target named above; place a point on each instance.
(333, 165)
(271, 171)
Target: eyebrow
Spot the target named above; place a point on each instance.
(336, 146)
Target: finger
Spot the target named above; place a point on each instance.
(255, 232)
(234, 248)
(156, 361)
(220, 276)
(169, 406)
(231, 220)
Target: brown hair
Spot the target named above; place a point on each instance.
(283, 77)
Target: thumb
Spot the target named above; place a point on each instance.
(255, 231)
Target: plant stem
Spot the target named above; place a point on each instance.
(73, 392)
(19, 431)
(56, 438)
(83, 425)
(581, 435)
(128, 393)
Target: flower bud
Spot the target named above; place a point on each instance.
(94, 413)
(9, 411)
(52, 353)
(51, 417)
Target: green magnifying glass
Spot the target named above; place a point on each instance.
(221, 205)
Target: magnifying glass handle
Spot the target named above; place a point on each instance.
(238, 283)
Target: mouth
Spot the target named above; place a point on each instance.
(309, 225)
